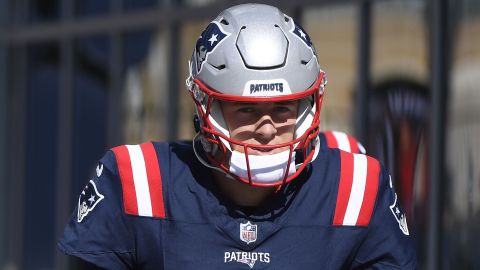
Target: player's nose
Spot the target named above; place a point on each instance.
(266, 129)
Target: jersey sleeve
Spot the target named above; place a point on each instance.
(388, 243)
(98, 231)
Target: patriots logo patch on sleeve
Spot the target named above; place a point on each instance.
(398, 212)
(89, 198)
(207, 42)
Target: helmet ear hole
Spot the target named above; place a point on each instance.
(224, 22)
(196, 123)
(220, 67)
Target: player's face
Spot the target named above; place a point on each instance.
(260, 123)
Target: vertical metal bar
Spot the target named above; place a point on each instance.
(363, 65)
(173, 36)
(64, 146)
(439, 86)
(173, 77)
(65, 133)
(114, 131)
(18, 130)
(3, 151)
(4, 160)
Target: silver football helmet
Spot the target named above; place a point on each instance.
(255, 53)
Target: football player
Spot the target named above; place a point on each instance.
(254, 189)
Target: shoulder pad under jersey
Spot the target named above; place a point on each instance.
(342, 141)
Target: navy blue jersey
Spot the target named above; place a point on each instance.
(155, 206)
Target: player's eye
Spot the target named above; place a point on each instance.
(285, 108)
(282, 109)
(246, 110)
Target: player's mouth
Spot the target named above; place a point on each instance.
(263, 151)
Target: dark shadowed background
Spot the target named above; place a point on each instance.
(78, 77)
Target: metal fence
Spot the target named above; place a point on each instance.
(54, 33)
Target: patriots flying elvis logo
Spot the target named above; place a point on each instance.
(398, 212)
(300, 33)
(207, 42)
(88, 199)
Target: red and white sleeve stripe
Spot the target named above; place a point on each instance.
(342, 141)
(141, 180)
(357, 190)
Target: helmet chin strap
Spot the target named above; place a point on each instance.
(264, 169)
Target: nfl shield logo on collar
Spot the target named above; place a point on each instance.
(248, 232)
